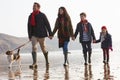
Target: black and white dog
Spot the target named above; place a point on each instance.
(13, 57)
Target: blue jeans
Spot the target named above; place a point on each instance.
(65, 47)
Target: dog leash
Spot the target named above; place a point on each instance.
(21, 46)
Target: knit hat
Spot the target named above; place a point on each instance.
(104, 27)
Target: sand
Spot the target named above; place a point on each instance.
(56, 71)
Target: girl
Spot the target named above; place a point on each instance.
(106, 43)
(65, 31)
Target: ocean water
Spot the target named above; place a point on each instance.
(56, 71)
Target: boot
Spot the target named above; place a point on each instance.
(66, 62)
(104, 58)
(46, 58)
(85, 58)
(89, 57)
(107, 59)
(34, 56)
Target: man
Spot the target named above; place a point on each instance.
(84, 28)
(38, 29)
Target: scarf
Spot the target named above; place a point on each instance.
(32, 21)
(85, 25)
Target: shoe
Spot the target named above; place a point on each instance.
(104, 61)
(65, 64)
(85, 63)
(33, 66)
(89, 61)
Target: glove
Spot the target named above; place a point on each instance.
(111, 48)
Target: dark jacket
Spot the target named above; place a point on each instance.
(68, 31)
(42, 28)
(107, 43)
(79, 29)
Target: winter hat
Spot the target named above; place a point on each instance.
(104, 27)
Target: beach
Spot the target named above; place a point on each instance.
(56, 71)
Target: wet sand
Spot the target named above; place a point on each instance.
(56, 71)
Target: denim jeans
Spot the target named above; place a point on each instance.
(65, 47)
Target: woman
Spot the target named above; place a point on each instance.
(65, 31)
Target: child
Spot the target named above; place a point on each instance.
(86, 33)
(106, 43)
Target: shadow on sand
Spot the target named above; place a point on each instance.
(13, 74)
(66, 72)
(35, 73)
(107, 75)
(88, 72)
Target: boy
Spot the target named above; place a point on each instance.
(86, 32)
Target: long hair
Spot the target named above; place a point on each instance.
(65, 14)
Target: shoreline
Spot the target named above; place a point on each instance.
(75, 71)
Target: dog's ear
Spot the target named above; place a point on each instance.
(8, 52)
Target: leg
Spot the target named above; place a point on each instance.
(107, 53)
(45, 52)
(34, 50)
(84, 52)
(104, 58)
(10, 65)
(89, 51)
(65, 52)
(19, 63)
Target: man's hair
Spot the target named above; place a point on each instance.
(38, 5)
(83, 13)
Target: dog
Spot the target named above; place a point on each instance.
(13, 57)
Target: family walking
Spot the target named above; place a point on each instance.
(39, 28)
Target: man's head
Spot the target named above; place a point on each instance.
(83, 16)
(36, 6)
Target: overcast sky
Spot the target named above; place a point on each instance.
(14, 14)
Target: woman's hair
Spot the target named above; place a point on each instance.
(65, 14)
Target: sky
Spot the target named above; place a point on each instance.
(14, 14)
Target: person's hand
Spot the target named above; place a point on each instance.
(111, 48)
(73, 38)
(50, 37)
(94, 41)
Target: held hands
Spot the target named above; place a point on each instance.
(73, 38)
(111, 48)
(94, 41)
(50, 37)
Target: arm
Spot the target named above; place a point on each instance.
(71, 28)
(29, 28)
(110, 41)
(99, 40)
(76, 31)
(56, 27)
(92, 33)
(47, 25)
